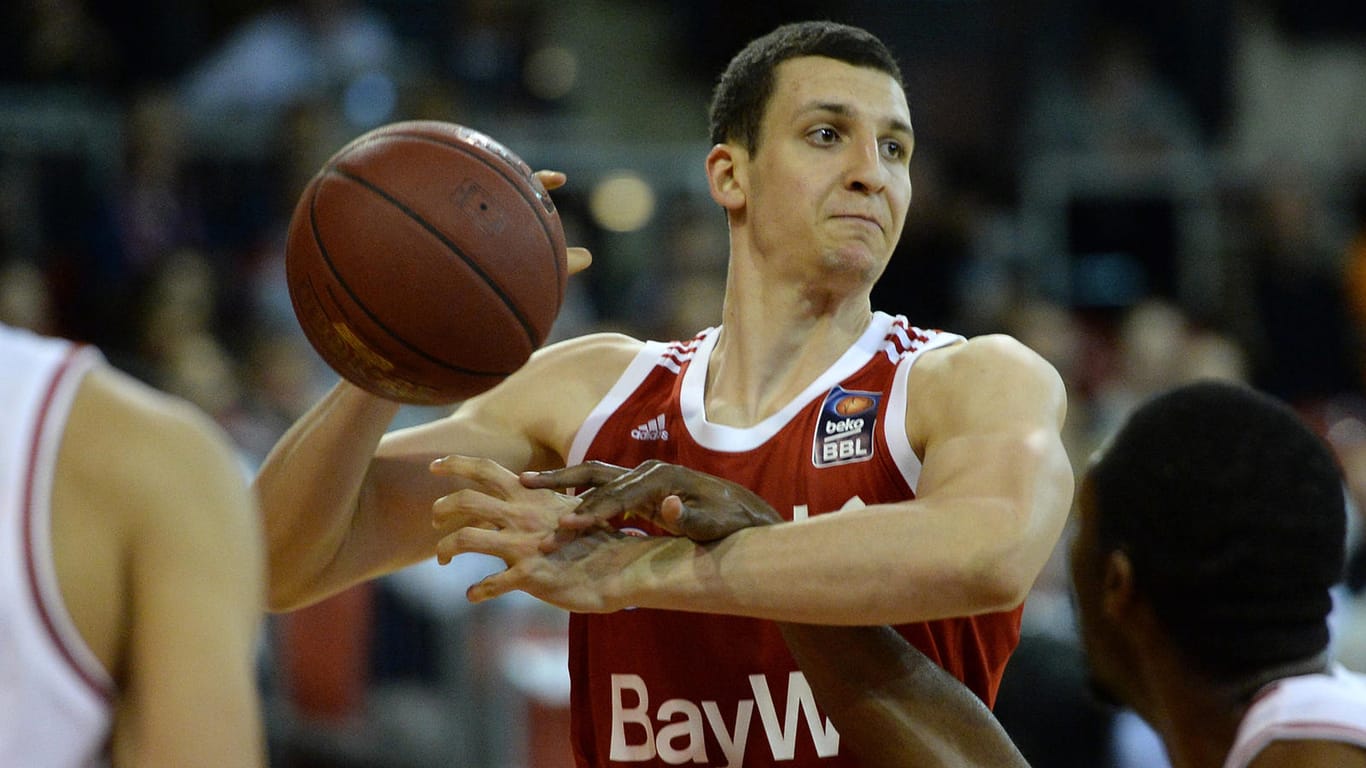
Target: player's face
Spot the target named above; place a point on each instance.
(830, 178)
(1097, 633)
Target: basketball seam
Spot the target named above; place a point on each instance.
(474, 266)
(501, 169)
(507, 299)
(322, 251)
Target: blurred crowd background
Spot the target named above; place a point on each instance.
(1144, 193)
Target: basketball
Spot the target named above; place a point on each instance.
(425, 262)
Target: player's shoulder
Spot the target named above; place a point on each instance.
(147, 444)
(563, 376)
(549, 397)
(611, 344)
(591, 357)
(992, 371)
(151, 417)
(996, 353)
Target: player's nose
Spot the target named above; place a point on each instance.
(865, 171)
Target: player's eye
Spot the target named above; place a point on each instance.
(893, 149)
(823, 135)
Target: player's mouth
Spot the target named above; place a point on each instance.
(859, 218)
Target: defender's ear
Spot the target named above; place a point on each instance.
(1117, 585)
(727, 176)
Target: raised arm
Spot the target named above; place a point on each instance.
(342, 501)
(994, 492)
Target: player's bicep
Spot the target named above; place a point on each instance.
(984, 414)
(990, 422)
(396, 499)
(529, 420)
(197, 587)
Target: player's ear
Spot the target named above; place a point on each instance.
(727, 167)
(1117, 585)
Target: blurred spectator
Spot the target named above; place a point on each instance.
(1350, 628)
(1157, 347)
(177, 338)
(1355, 271)
(299, 51)
(488, 44)
(694, 262)
(1113, 102)
(281, 377)
(56, 42)
(157, 207)
(1303, 350)
(109, 237)
(1121, 132)
(25, 301)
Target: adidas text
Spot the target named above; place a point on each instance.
(651, 430)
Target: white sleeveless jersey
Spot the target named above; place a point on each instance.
(1327, 707)
(56, 700)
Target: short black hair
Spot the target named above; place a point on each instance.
(743, 91)
(1233, 514)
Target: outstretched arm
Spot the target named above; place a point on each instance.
(342, 501)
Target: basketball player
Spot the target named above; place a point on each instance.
(130, 572)
(1211, 530)
(942, 455)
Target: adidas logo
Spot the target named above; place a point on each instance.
(651, 430)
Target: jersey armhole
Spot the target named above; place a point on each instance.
(40, 566)
(630, 379)
(894, 423)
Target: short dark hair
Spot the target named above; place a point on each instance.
(1233, 514)
(743, 91)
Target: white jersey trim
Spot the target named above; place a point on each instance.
(650, 354)
(41, 569)
(1326, 707)
(720, 437)
(894, 425)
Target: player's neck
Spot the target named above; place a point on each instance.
(773, 344)
(1196, 719)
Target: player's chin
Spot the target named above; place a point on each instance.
(858, 261)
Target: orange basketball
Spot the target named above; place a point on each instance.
(425, 262)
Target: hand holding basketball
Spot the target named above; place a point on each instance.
(578, 258)
(426, 262)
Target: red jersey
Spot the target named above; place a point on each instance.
(665, 687)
